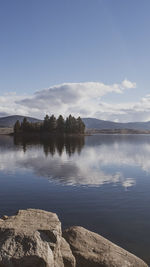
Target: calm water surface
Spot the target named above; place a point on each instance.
(101, 182)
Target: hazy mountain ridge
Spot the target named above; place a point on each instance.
(9, 121)
(91, 123)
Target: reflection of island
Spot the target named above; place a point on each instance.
(112, 160)
(87, 168)
(52, 144)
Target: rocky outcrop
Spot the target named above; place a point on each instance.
(33, 238)
(93, 250)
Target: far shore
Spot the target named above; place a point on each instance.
(117, 131)
(6, 130)
(10, 131)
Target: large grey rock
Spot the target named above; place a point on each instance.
(68, 258)
(92, 250)
(33, 238)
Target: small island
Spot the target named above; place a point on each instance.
(51, 125)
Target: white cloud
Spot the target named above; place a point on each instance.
(127, 84)
(77, 98)
(69, 96)
(84, 99)
(125, 112)
(9, 105)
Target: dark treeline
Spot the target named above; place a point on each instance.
(51, 125)
(52, 144)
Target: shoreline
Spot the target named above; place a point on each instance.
(89, 132)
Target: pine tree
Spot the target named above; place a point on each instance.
(80, 126)
(52, 124)
(46, 124)
(25, 125)
(67, 126)
(17, 127)
(74, 128)
(60, 124)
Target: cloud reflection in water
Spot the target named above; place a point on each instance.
(70, 162)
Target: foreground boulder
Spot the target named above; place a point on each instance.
(93, 250)
(33, 238)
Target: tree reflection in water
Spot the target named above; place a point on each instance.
(52, 144)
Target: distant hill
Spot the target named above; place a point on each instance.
(10, 120)
(92, 123)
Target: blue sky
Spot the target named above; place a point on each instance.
(86, 45)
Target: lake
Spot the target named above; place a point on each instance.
(101, 182)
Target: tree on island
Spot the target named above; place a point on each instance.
(81, 125)
(17, 127)
(52, 125)
(25, 125)
(46, 123)
(60, 124)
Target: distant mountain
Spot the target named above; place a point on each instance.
(10, 120)
(92, 123)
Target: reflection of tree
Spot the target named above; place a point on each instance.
(52, 144)
(49, 147)
(74, 144)
(60, 145)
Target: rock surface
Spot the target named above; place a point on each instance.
(33, 238)
(93, 250)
